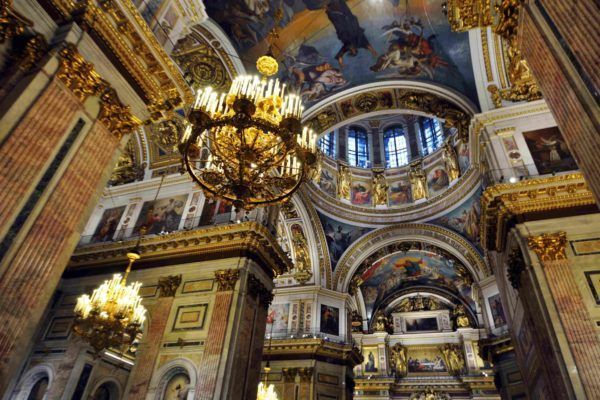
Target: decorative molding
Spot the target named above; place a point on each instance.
(11, 22)
(549, 246)
(464, 15)
(500, 203)
(312, 348)
(168, 285)
(226, 279)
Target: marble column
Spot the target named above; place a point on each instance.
(289, 382)
(151, 342)
(306, 377)
(209, 367)
(579, 330)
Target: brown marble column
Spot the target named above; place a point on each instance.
(576, 322)
(306, 376)
(152, 340)
(209, 368)
(65, 369)
(289, 383)
(561, 42)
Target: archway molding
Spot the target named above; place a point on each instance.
(164, 374)
(31, 377)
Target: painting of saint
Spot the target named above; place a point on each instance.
(414, 267)
(330, 320)
(161, 216)
(497, 311)
(421, 324)
(278, 318)
(108, 224)
(361, 193)
(399, 193)
(464, 219)
(371, 364)
(462, 152)
(215, 212)
(433, 363)
(339, 236)
(327, 182)
(549, 151)
(437, 180)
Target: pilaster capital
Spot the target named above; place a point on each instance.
(289, 374)
(306, 374)
(168, 285)
(226, 279)
(549, 246)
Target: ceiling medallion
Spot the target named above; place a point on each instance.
(248, 146)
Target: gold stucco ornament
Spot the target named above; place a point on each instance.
(267, 65)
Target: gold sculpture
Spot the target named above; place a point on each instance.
(451, 161)
(399, 360)
(302, 257)
(418, 182)
(464, 15)
(380, 188)
(381, 322)
(453, 358)
(461, 317)
(344, 181)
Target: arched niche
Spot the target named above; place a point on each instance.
(107, 389)
(167, 378)
(33, 381)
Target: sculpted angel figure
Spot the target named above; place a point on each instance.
(343, 184)
(380, 189)
(399, 360)
(418, 182)
(451, 162)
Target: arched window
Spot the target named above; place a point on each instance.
(396, 152)
(327, 144)
(432, 135)
(358, 147)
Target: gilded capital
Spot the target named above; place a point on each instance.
(289, 374)
(226, 279)
(549, 246)
(306, 374)
(11, 22)
(168, 285)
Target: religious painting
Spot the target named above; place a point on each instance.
(361, 193)
(497, 311)
(339, 237)
(414, 267)
(328, 182)
(400, 193)
(464, 219)
(327, 46)
(108, 224)
(437, 180)
(330, 320)
(278, 318)
(161, 216)
(215, 212)
(371, 359)
(462, 153)
(549, 151)
(425, 359)
(177, 387)
(421, 324)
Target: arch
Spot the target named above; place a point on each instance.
(426, 233)
(112, 385)
(164, 374)
(31, 377)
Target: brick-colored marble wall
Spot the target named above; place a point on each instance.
(39, 259)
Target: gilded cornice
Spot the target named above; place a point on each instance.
(311, 347)
(209, 243)
(11, 22)
(468, 14)
(500, 203)
(549, 246)
(81, 78)
(120, 26)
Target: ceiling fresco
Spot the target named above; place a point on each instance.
(325, 46)
(414, 268)
(464, 219)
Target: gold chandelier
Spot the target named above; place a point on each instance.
(113, 315)
(266, 391)
(248, 146)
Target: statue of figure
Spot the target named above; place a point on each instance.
(434, 304)
(405, 305)
(357, 322)
(460, 316)
(380, 188)
(318, 166)
(302, 259)
(380, 322)
(453, 357)
(399, 360)
(418, 304)
(418, 182)
(343, 182)
(126, 170)
(451, 162)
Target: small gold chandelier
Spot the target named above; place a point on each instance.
(113, 315)
(248, 146)
(266, 391)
